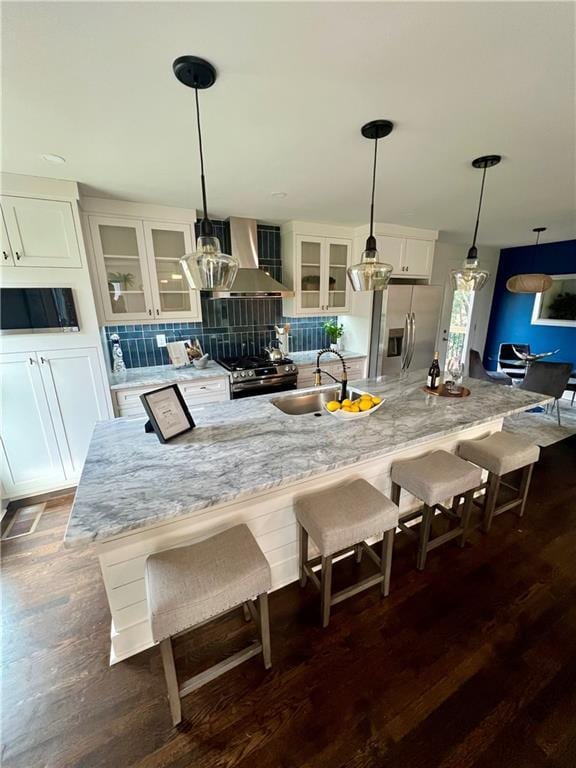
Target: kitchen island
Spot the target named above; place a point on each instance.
(247, 461)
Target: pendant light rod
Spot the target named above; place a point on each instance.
(206, 225)
(373, 186)
(485, 162)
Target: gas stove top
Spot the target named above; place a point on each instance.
(255, 375)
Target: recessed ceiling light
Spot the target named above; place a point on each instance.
(280, 195)
(53, 158)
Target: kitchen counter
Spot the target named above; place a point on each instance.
(309, 358)
(247, 446)
(246, 461)
(157, 375)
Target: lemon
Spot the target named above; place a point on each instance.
(365, 396)
(365, 405)
(345, 403)
(376, 400)
(354, 409)
(333, 405)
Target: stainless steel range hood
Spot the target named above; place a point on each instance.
(250, 282)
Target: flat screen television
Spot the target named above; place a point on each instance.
(37, 310)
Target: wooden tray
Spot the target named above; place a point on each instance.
(443, 392)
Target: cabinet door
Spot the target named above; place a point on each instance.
(309, 287)
(74, 387)
(7, 255)
(31, 461)
(120, 252)
(165, 246)
(418, 258)
(42, 232)
(391, 250)
(337, 286)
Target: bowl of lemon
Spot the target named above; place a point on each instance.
(358, 406)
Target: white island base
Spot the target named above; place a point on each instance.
(270, 517)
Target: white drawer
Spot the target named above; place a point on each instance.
(193, 392)
(205, 388)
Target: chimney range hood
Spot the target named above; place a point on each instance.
(250, 281)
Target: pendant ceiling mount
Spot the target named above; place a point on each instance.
(207, 268)
(194, 72)
(469, 277)
(370, 274)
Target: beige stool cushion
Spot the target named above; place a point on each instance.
(436, 477)
(188, 585)
(345, 515)
(500, 453)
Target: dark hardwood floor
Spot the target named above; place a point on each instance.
(471, 664)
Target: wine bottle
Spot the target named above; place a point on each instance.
(433, 380)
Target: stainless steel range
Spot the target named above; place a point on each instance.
(259, 376)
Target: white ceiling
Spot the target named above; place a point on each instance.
(93, 82)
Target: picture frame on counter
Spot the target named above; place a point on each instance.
(167, 412)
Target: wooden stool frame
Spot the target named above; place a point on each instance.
(488, 502)
(427, 513)
(324, 583)
(177, 692)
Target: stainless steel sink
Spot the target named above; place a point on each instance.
(308, 402)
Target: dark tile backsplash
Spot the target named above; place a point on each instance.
(230, 326)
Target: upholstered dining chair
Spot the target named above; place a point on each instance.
(548, 379)
(476, 370)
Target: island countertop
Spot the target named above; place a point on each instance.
(131, 481)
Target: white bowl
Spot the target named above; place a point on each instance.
(345, 416)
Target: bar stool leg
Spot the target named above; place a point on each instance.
(395, 493)
(358, 552)
(171, 680)
(525, 486)
(303, 538)
(386, 560)
(425, 526)
(265, 629)
(466, 514)
(326, 588)
(491, 499)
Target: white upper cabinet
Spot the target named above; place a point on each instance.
(7, 255)
(165, 246)
(39, 233)
(314, 266)
(138, 268)
(409, 250)
(391, 250)
(418, 255)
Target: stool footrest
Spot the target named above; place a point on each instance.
(443, 538)
(360, 586)
(212, 673)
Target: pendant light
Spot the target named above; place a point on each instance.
(371, 274)
(530, 283)
(469, 277)
(207, 268)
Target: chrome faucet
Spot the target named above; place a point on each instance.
(318, 373)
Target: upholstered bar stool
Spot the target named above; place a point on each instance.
(501, 453)
(339, 520)
(432, 479)
(191, 585)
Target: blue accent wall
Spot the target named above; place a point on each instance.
(511, 313)
(229, 327)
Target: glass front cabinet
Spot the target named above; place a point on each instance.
(138, 270)
(315, 267)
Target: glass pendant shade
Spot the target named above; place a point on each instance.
(529, 283)
(370, 274)
(468, 277)
(207, 268)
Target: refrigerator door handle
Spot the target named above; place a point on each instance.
(412, 339)
(405, 342)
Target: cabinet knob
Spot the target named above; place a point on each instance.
(18, 256)
(42, 360)
(4, 254)
(157, 311)
(32, 361)
(149, 311)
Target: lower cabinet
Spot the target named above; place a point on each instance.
(50, 403)
(127, 401)
(356, 370)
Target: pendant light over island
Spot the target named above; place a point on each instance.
(370, 274)
(469, 277)
(207, 268)
(530, 282)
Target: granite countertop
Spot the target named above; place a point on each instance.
(157, 375)
(309, 358)
(241, 447)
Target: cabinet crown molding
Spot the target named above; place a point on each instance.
(397, 230)
(127, 209)
(20, 185)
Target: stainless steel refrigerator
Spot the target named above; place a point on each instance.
(408, 327)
